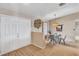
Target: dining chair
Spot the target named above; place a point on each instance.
(62, 39)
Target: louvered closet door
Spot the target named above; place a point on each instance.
(23, 33)
(16, 33)
(8, 34)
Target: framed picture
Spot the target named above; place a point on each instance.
(59, 27)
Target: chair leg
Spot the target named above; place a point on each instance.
(59, 41)
(64, 42)
(53, 42)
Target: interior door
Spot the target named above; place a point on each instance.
(15, 33)
(8, 34)
(23, 33)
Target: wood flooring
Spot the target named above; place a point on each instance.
(50, 50)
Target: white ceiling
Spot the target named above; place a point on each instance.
(32, 10)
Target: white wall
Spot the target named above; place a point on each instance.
(15, 33)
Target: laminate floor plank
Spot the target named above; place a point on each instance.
(50, 50)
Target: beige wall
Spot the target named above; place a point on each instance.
(38, 39)
(37, 36)
(68, 25)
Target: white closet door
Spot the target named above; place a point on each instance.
(8, 34)
(15, 33)
(23, 33)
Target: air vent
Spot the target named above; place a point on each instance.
(62, 4)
